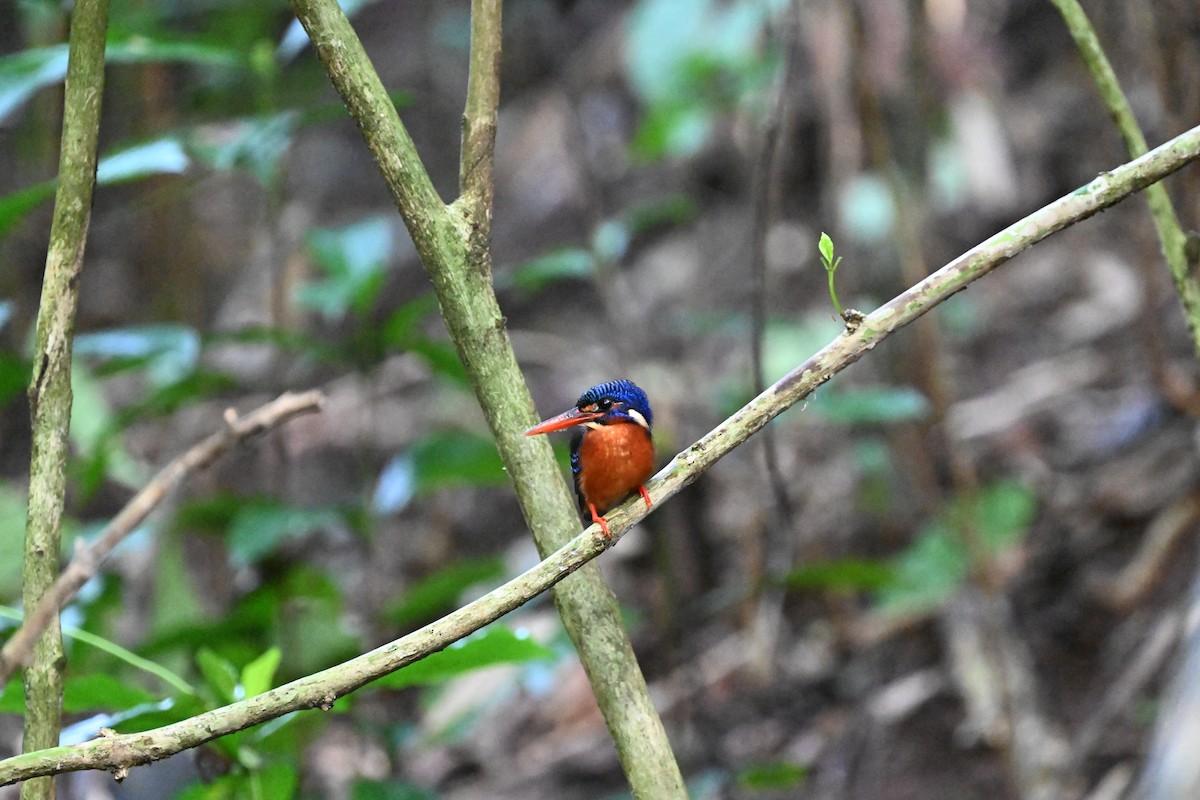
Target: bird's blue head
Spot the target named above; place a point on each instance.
(603, 404)
(617, 401)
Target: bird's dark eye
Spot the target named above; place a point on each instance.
(604, 404)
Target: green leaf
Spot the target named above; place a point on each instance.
(926, 574)
(568, 263)
(93, 426)
(142, 49)
(847, 574)
(15, 373)
(774, 776)
(167, 398)
(159, 157)
(388, 790)
(14, 206)
(83, 694)
(113, 649)
(937, 563)
(489, 647)
(403, 326)
(687, 61)
(354, 260)
(232, 786)
(257, 676)
(254, 144)
(440, 591)
(455, 458)
(170, 352)
(443, 359)
(663, 36)
(176, 603)
(219, 674)
(25, 73)
(101, 692)
(676, 130)
(311, 618)
(289, 340)
(825, 245)
(275, 781)
(260, 526)
(1006, 510)
(12, 699)
(675, 209)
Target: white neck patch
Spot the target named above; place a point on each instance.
(638, 418)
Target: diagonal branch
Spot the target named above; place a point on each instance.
(320, 690)
(87, 559)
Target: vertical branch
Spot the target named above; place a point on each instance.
(50, 388)
(455, 250)
(1170, 234)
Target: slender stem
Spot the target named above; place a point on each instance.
(320, 690)
(1170, 235)
(829, 271)
(50, 388)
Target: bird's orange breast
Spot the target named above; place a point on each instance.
(614, 460)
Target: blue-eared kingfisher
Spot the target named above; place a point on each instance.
(612, 453)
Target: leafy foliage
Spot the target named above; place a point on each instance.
(691, 61)
(937, 563)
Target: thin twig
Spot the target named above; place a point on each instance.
(89, 557)
(320, 690)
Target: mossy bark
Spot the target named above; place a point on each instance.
(50, 387)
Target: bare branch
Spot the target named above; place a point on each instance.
(88, 558)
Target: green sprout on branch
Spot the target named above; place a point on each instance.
(831, 264)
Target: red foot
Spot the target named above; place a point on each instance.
(645, 496)
(601, 521)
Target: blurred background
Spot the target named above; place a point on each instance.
(957, 571)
